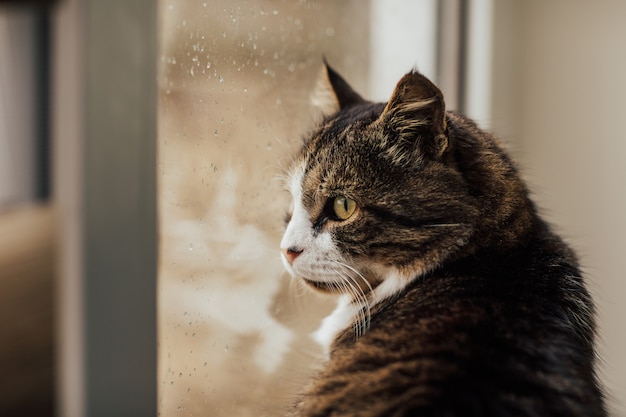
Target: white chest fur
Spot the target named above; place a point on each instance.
(347, 311)
(341, 317)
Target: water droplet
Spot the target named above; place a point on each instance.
(226, 348)
(190, 247)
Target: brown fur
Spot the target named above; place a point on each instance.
(494, 318)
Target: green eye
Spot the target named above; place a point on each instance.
(343, 207)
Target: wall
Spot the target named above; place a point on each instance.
(562, 64)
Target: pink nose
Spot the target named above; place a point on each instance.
(291, 253)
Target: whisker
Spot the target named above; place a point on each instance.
(351, 288)
(357, 273)
(364, 313)
(444, 225)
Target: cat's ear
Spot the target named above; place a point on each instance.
(332, 93)
(416, 112)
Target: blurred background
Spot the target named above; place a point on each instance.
(141, 149)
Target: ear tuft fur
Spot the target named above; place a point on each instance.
(332, 93)
(323, 98)
(416, 113)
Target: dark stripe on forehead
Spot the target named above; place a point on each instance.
(328, 141)
(336, 126)
(326, 151)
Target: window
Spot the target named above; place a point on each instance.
(235, 80)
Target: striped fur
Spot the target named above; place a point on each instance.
(458, 300)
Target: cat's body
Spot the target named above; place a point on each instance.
(458, 299)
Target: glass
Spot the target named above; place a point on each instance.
(234, 86)
(235, 81)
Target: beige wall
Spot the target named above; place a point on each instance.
(559, 99)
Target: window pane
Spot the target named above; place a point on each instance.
(235, 80)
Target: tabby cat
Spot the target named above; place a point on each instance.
(456, 297)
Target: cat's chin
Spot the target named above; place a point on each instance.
(359, 289)
(325, 287)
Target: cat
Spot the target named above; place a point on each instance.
(457, 299)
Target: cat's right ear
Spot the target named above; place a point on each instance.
(417, 107)
(332, 93)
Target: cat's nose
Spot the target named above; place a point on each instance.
(291, 253)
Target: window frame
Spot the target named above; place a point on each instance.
(104, 174)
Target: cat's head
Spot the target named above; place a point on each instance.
(379, 191)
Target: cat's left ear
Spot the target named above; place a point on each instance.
(417, 113)
(332, 93)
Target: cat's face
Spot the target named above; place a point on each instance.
(374, 193)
